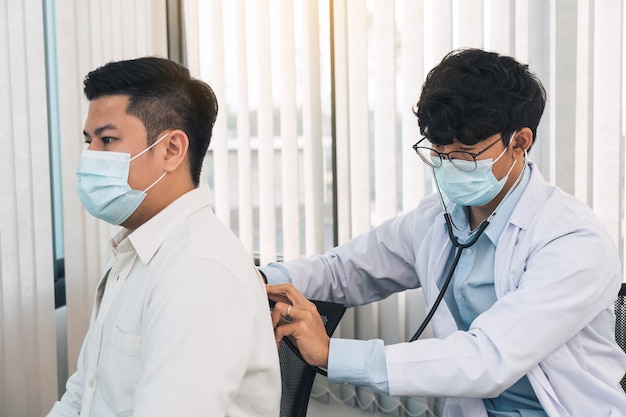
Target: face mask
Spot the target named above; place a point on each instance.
(475, 188)
(103, 184)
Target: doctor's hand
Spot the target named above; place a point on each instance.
(294, 316)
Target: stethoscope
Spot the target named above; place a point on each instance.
(460, 246)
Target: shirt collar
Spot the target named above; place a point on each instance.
(148, 238)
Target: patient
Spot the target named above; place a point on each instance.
(158, 342)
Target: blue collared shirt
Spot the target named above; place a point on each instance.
(473, 293)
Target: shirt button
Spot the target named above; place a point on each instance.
(459, 296)
(468, 251)
(91, 383)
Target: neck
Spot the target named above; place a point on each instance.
(166, 191)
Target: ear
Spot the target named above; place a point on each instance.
(177, 144)
(523, 139)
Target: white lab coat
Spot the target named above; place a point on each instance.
(556, 275)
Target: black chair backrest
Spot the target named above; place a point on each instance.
(620, 323)
(297, 375)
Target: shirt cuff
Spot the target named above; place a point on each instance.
(358, 362)
(275, 273)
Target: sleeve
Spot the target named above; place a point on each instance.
(70, 403)
(61, 409)
(358, 362)
(275, 273)
(367, 268)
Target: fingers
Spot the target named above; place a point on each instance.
(288, 312)
(294, 316)
(281, 318)
(286, 293)
(307, 331)
(283, 313)
(280, 297)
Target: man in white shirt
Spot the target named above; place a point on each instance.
(526, 325)
(159, 343)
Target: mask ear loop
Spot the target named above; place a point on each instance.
(149, 147)
(510, 169)
(146, 150)
(504, 150)
(156, 182)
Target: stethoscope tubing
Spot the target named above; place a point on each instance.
(459, 249)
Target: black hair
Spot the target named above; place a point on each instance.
(163, 95)
(474, 94)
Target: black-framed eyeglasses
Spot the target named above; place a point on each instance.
(461, 160)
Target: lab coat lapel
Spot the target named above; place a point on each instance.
(510, 245)
(505, 280)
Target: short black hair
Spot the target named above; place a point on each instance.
(473, 94)
(163, 95)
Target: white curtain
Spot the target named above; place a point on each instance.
(28, 368)
(288, 84)
(42, 65)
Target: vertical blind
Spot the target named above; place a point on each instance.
(319, 96)
(27, 339)
(47, 50)
(265, 170)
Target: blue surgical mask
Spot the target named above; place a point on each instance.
(103, 184)
(475, 188)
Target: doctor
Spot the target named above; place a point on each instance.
(526, 325)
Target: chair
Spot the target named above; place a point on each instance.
(298, 376)
(620, 323)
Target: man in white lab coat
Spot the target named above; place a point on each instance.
(526, 325)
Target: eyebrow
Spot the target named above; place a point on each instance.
(100, 129)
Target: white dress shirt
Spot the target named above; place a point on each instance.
(180, 326)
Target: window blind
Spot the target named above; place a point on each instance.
(28, 382)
